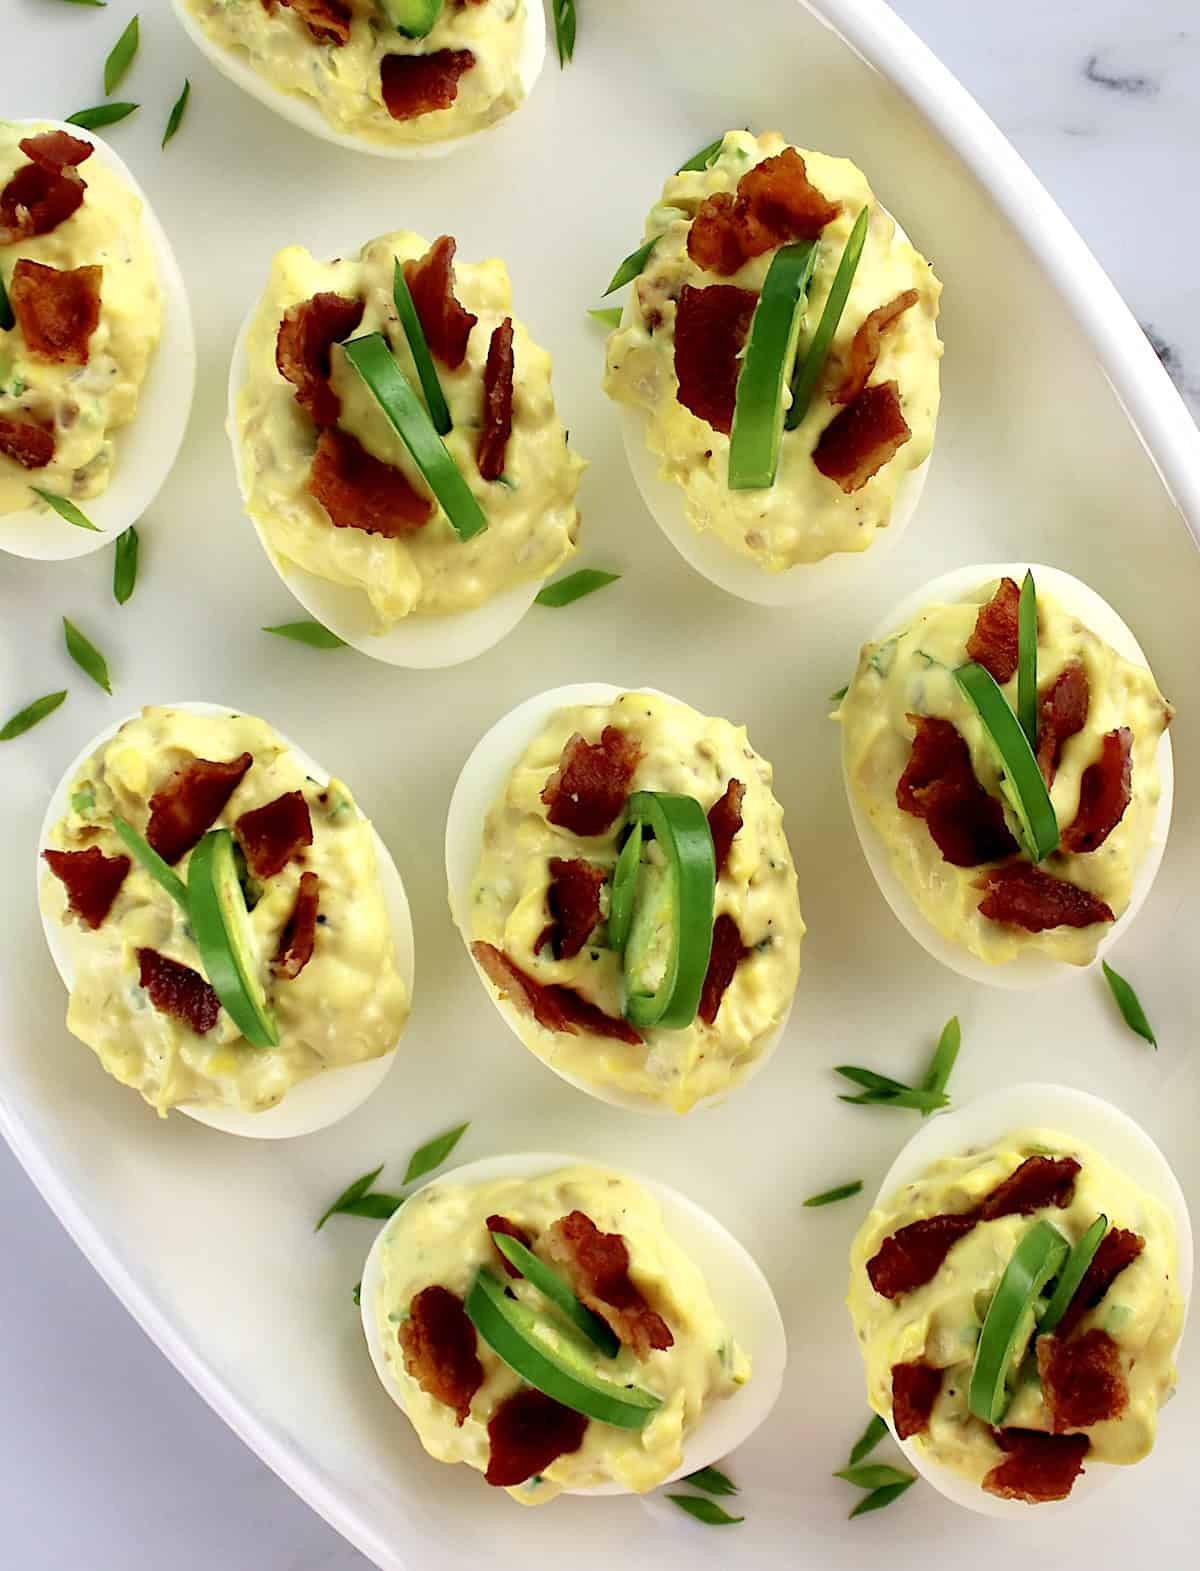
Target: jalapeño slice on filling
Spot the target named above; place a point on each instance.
(812, 362)
(1072, 1275)
(223, 936)
(1021, 779)
(552, 1286)
(142, 851)
(1009, 1324)
(774, 332)
(431, 386)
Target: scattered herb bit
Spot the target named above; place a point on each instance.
(918, 1101)
(704, 159)
(64, 508)
(354, 1191)
(873, 1475)
(944, 1056)
(564, 591)
(810, 365)
(868, 1078)
(1021, 780)
(86, 656)
(310, 633)
(610, 315)
(376, 1205)
(868, 1440)
(564, 30)
(425, 1158)
(121, 58)
(100, 115)
(1129, 1004)
(711, 1479)
(25, 719)
(414, 333)
(836, 698)
(631, 267)
(706, 1511)
(7, 319)
(1027, 661)
(87, 2)
(125, 565)
(359, 1199)
(83, 801)
(878, 1498)
(827, 1197)
(176, 115)
(358, 1293)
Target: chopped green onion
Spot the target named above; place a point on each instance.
(374, 362)
(100, 115)
(843, 1192)
(25, 719)
(878, 1498)
(176, 115)
(1021, 780)
(565, 591)
(704, 159)
(143, 852)
(433, 1153)
(87, 2)
(1072, 1274)
(868, 1078)
(307, 632)
(357, 1294)
(919, 1101)
(8, 320)
(631, 267)
(868, 1440)
(563, 12)
(836, 698)
(1009, 1323)
(352, 1192)
(812, 363)
(125, 565)
(713, 1481)
(774, 331)
(1027, 661)
(944, 1056)
(706, 1511)
(406, 309)
(121, 58)
(377, 1206)
(86, 656)
(1129, 1004)
(873, 1475)
(610, 315)
(64, 508)
(552, 1286)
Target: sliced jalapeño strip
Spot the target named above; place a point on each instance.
(222, 931)
(374, 362)
(556, 1289)
(670, 932)
(1027, 661)
(142, 851)
(552, 1361)
(624, 888)
(1072, 1274)
(770, 354)
(1009, 1324)
(1021, 780)
(406, 309)
(810, 365)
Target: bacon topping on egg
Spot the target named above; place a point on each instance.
(416, 85)
(57, 309)
(184, 807)
(1083, 1380)
(328, 21)
(27, 444)
(915, 1389)
(497, 403)
(591, 784)
(574, 901)
(1037, 1467)
(1118, 1249)
(724, 822)
(597, 1265)
(939, 785)
(727, 953)
(1062, 713)
(501, 1224)
(1104, 794)
(306, 336)
(994, 642)
(863, 436)
(775, 202)
(440, 1351)
(91, 880)
(177, 990)
(299, 936)
(359, 491)
(1020, 895)
(270, 836)
(711, 327)
(554, 1007)
(528, 1431)
(445, 322)
(865, 346)
(46, 191)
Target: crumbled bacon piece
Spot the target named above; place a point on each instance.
(328, 21)
(1023, 896)
(574, 900)
(416, 85)
(1083, 1381)
(359, 491)
(501, 1224)
(597, 1265)
(29, 445)
(864, 347)
(446, 324)
(1037, 1467)
(56, 150)
(497, 403)
(915, 1389)
(862, 437)
(914, 1255)
(554, 1007)
(993, 643)
(939, 785)
(727, 953)
(299, 936)
(91, 880)
(528, 1431)
(775, 202)
(183, 808)
(590, 786)
(1104, 794)
(45, 192)
(1118, 1248)
(270, 836)
(724, 821)
(711, 326)
(177, 990)
(1062, 714)
(1039, 1182)
(439, 1347)
(57, 309)
(307, 334)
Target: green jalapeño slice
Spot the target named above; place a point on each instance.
(1021, 780)
(624, 888)
(810, 365)
(758, 410)
(552, 1286)
(1009, 1324)
(1072, 1275)
(142, 851)
(222, 930)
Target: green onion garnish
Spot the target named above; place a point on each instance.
(944, 1056)
(87, 2)
(121, 58)
(812, 363)
(868, 1440)
(142, 851)
(350, 1194)
(125, 565)
(585, 581)
(774, 331)
(86, 656)
(406, 309)
(1027, 662)
(176, 115)
(1009, 1323)
(873, 1475)
(357, 1294)
(706, 1511)
(704, 159)
(359, 1199)
(25, 719)
(878, 1498)
(554, 1287)
(64, 508)
(310, 633)
(8, 320)
(836, 698)
(374, 362)
(713, 1481)
(829, 1196)
(609, 315)
(1072, 1274)
(433, 1153)
(882, 1091)
(631, 267)
(564, 30)
(100, 115)
(1021, 780)
(1129, 1004)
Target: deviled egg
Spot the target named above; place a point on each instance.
(97, 357)
(777, 365)
(401, 78)
(1019, 1292)
(398, 448)
(563, 1327)
(234, 936)
(619, 872)
(1010, 780)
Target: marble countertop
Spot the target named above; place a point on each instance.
(1102, 97)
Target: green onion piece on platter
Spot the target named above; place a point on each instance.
(175, 118)
(100, 115)
(631, 267)
(65, 508)
(1129, 1004)
(121, 58)
(810, 365)
(406, 309)
(713, 1481)
(770, 353)
(574, 586)
(125, 564)
(86, 656)
(608, 315)
(32, 714)
(142, 851)
(868, 1440)
(1027, 661)
(555, 1288)
(1072, 1274)
(945, 1056)
(433, 1153)
(829, 1197)
(1021, 781)
(879, 1498)
(1009, 1324)
(707, 1512)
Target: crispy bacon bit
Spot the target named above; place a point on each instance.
(710, 332)
(327, 20)
(574, 900)
(597, 1265)
(724, 821)
(775, 203)
(528, 1431)
(299, 936)
(56, 150)
(91, 879)
(914, 1255)
(939, 785)
(864, 347)
(1118, 1248)
(1062, 714)
(1037, 1467)
(993, 643)
(271, 836)
(306, 336)
(359, 491)
(1039, 1182)
(862, 437)
(26, 444)
(501, 1224)
(497, 403)
(915, 1389)
(554, 1007)
(183, 808)
(1023, 896)
(1104, 794)
(45, 192)
(438, 1343)
(177, 990)
(727, 953)
(589, 787)
(446, 324)
(1083, 1381)
(57, 309)
(416, 85)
